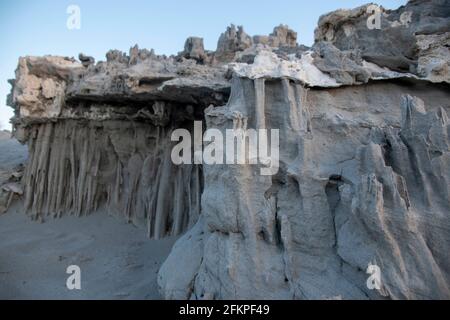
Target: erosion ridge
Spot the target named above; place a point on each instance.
(364, 155)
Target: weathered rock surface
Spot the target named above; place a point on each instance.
(364, 175)
(358, 185)
(194, 49)
(100, 136)
(364, 179)
(409, 39)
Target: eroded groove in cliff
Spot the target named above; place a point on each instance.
(77, 167)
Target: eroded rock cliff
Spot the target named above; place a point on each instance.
(364, 174)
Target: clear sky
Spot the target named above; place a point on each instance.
(39, 27)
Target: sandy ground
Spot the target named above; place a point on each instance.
(117, 260)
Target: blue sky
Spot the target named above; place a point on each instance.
(39, 27)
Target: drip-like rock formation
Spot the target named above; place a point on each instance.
(364, 180)
(361, 182)
(364, 175)
(75, 167)
(99, 135)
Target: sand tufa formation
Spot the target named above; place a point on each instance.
(364, 155)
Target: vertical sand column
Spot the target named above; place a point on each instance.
(260, 101)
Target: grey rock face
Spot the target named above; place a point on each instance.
(398, 43)
(234, 41)
(231, 41)
(189, 250)
(358, 185)
(281, 36)
(100, 136)
(346, 67)
(86, 61)
(194, 49)
(364, 155)
(434, 56)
